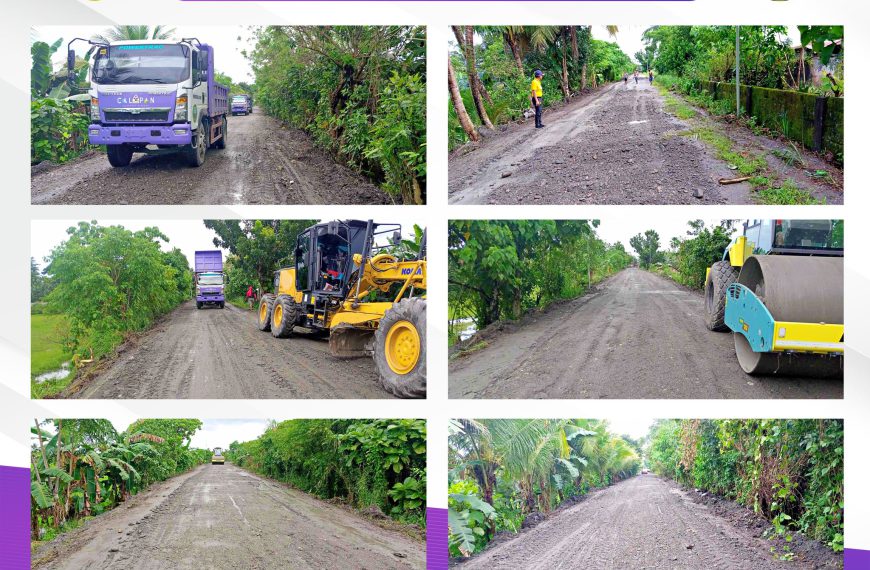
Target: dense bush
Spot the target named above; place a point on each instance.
(366, 462)
(359, 91)
(691, 256)
(109, 281)
(790, 471)
(499, 269)
(58, 130)
(82, 468)
(503, 470)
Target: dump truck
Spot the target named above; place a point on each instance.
(779, 289)
(154, 97)
(241, 105)
(367, 297)
(208, 276)
(217, 457)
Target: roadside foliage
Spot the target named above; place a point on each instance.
(493, 67)
(366, 463)
(359, 91)
(108, 281)
(83, 467)
(500, 269)
(790, 471)
(504, 471)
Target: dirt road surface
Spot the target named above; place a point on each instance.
(220, 353)
(643, 522)
(264, 163)
(616, 145)
(638, 335)
(223, 517)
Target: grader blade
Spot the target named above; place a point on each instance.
(346, 341)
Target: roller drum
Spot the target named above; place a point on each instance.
(794, 289)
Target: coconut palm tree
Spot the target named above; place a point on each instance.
(459, 104)
(121, 33)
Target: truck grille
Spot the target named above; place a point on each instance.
(136, 115)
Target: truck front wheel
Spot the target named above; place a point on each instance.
(196, 149)
(222, 142)
(119, 154)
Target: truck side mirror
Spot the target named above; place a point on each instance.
(71, 61)
(397, 238)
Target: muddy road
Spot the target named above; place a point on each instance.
(638, 335)
(263, 163)
(644, 522)
(615, 145)
(222, 517)
(220, 353)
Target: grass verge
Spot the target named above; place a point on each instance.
(47, 354)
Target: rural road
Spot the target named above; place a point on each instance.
(264, 163)
(220, 353)
(223, 517)
(608, 147)
(638, 335)
(643, 522)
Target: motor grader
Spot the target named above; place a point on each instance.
(779, 289)
(366, 296)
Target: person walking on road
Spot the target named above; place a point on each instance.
(625, 78)
(537, 92)
(650, 76)
(635, 76)
(249, 296)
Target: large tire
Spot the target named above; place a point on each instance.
(221, 305)
(400, 349)
(722, 275)
(285, 313)
(198, 304)
(119, 155)
(196, 150)
(264, 312)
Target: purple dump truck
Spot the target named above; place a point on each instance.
(155, 97)
(241, 105)
(208, 276)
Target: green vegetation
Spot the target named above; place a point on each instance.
(789, 471)
(499, 269)
(359, 91)
(489, 82)
(501, 471)
(108, 282)
(47, 352)
(81, 468)
(364, 462)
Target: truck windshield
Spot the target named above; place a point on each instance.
(809, 234)
(135, 64)
(238, 99)
(211, 279)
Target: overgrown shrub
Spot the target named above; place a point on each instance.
(58, 130)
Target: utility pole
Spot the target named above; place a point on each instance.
(737, 70)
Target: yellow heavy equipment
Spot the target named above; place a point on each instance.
(217, 456)
(367, 297)
(779, 289)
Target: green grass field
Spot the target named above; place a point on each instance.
(47, 353)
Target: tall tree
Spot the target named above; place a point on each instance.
(647, 247)
(459, 105)
(465, 38)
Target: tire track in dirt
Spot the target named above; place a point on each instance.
(222, 517)
(264, 162)
(644, 522)
(638, 335)
(220, 353)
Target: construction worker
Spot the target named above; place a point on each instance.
(250, 296)
(625, 78)
(650, 76)
(537, 92)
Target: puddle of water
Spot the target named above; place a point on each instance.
(638, 122)
(62, 372)
(469, 329)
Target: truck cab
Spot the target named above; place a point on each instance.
(155, 96)
(217, 457)
(241, 105)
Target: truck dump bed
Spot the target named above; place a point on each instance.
(208, 260)
(218, 95)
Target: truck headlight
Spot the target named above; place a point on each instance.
(95, 109)
(181, 108)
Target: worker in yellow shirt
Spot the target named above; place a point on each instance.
(537, 94)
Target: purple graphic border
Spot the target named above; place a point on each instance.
(14, 518)
(436, 539)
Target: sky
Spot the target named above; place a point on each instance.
(225, 39)
(630, 425)
(667, 227)
(187, 235)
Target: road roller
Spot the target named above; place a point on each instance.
(779, 290)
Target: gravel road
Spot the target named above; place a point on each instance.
(615, 145)
(638, 335)
(264, 163)
(223, 517)
(641, 523)
(220, 353)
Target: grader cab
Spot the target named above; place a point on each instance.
(357, 283)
